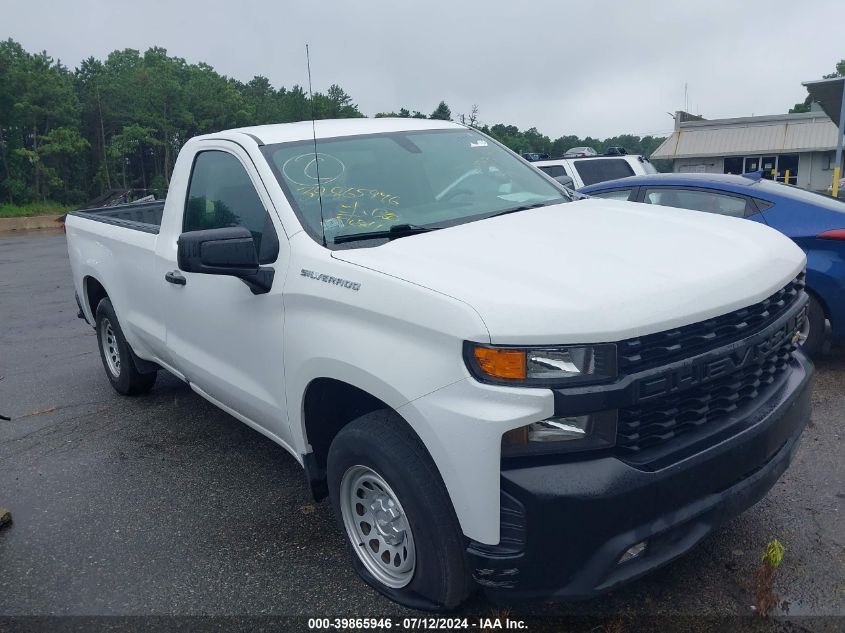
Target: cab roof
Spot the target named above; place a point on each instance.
(331, 128)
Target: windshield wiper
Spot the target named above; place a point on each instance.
(523, 207)
(395, 231)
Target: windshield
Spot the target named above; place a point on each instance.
(429, 178)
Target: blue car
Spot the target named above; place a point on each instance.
(814, 221)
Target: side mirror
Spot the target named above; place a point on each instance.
(226, 251)
(566, 181)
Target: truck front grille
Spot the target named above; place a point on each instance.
(646, 426)
(652, 423)
(644, 352)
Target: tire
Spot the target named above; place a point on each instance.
(116, 354)
(380, 446)
(814, 332)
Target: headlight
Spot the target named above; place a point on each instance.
(562, 434)
(541, 366)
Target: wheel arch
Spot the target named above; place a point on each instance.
(328, 405)
(94, 292)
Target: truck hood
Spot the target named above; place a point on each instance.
(593, 270)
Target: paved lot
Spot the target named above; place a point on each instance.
(165, 505)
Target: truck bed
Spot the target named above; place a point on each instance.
(144, 216)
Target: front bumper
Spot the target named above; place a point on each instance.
(565, 526)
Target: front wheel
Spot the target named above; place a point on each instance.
(395, 511)
(378, 526)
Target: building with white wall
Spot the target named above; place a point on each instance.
(803, 143)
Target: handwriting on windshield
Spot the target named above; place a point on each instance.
(339, 193)
(308, 169)
(358, 215)
(359, 207)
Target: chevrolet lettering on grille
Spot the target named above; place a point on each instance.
(699, 371)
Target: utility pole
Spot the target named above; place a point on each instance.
(837, 170)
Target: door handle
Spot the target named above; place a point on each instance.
(175, 277)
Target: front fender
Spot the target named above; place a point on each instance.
(461, 425)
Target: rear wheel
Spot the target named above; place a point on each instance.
(116, 356)
(395, 511)
(812, 334)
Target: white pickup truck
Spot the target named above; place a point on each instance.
(495, 385)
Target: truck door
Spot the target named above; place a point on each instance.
(226, 340)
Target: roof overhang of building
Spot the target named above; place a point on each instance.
(747, 136)
(828, 93)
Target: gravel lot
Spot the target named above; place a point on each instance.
(165, 505)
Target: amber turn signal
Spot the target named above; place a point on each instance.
(501, 363)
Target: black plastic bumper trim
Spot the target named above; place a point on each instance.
(582, 516)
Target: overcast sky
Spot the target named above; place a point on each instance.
(591, 67)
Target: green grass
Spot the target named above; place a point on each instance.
(34, 208)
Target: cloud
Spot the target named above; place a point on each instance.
(598, 68)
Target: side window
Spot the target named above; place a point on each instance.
(697, 200)
(554, 170)
(221, 194)
(616, 194)
(593, 170)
